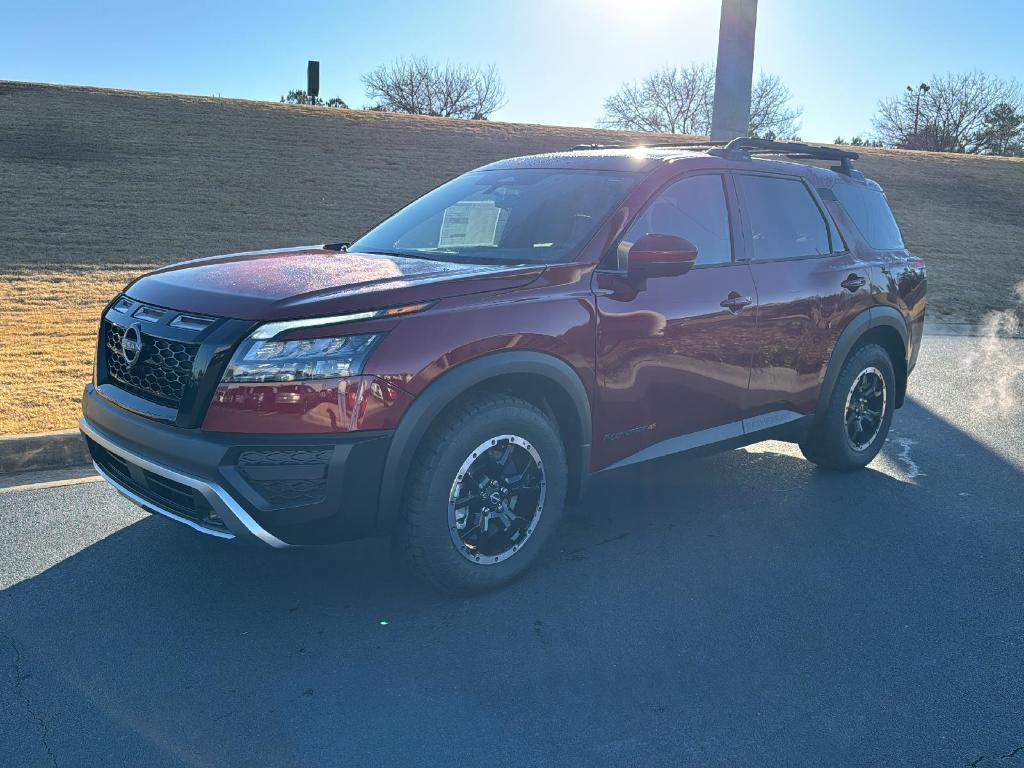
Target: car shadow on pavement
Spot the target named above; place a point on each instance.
(745, 600)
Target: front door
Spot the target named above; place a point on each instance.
(673, 353)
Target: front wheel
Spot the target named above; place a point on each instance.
(484, 495)
(853, 428)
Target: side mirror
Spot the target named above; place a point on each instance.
(661, 255)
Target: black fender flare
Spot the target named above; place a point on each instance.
(429, 404)
(873, 317)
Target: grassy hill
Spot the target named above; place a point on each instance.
(99, 184)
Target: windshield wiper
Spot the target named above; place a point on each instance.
(433, 255)
(395, 253)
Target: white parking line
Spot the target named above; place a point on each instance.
(50, 484)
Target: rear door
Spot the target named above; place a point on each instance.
(674, 352)
(898, 277)
(809, 285)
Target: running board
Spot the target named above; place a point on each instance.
(707, 437)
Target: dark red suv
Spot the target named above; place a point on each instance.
(453, 377)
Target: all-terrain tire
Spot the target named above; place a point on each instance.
(829, 442)
(425, 535)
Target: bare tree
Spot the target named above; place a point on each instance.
(771, 113)
(670, 100)
(301, 97)
(674, 100)
(946, 115)
(421, 87)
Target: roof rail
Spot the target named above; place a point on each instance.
(687, 144)
(659, 145)
(745, 146)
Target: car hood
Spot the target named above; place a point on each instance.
(307, 282)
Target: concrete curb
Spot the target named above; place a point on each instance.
(969, 330)
(45, 450)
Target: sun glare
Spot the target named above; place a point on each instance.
(637, 12)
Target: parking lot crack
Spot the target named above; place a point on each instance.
(574, 554)
(20, 676)
(1012, 753)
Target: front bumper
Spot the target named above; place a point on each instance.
(277, 490)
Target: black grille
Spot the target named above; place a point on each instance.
(156, 489)
(288, 476)
(162, 371)
(285, 457)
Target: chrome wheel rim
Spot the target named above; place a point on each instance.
(865, 408)
(496, 499)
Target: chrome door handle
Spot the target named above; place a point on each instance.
(736, 303)
(854, 283)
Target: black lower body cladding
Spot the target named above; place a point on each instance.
(298, 489)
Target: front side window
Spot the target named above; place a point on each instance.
(693, 209)
(870, 212)
(518, 216)
(785, 222)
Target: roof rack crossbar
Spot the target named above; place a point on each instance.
(745, 146)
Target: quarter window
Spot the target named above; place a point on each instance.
(870, 212)
(785, 222)
(694, 209)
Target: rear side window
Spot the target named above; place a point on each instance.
(694, 209)
(785, 221)
(871, 213)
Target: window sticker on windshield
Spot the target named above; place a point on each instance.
(469, 223)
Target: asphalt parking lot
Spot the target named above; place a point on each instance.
(742, 609)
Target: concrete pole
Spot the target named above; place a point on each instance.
(734, 74)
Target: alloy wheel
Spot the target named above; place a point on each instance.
(865, 408)
(496, 499)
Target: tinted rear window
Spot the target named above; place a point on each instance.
(870, 212)
(785, 222)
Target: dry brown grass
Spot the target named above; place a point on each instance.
(114, 180)
(965, 216)
(48, 324)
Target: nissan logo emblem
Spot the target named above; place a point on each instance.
(131, 344)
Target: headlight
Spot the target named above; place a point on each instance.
(257, 360)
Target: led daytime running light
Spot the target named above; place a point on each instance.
(271, 330)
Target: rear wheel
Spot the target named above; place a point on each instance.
(484, 495)
(855, 423)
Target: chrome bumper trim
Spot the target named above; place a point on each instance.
(135, 498)
(224, 505)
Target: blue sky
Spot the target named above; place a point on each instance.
(559, 59)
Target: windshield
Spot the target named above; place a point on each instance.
(521, 216)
